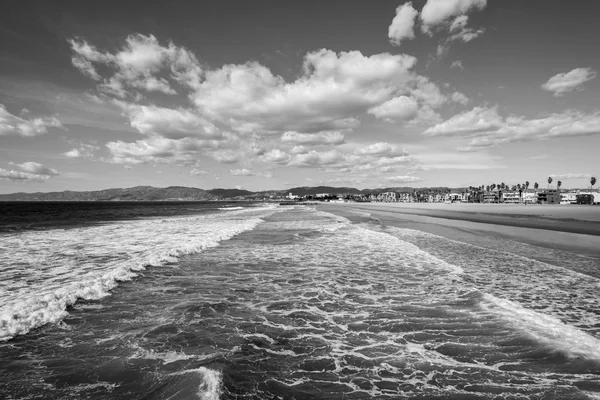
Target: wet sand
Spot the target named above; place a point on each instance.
(569, 228)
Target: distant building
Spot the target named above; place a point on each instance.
(568, 198)
(511, 197)
(550, 196)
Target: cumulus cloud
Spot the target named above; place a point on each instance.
(457, 64)
(198, 172)
(235, 107)
(276, 156)
(570, 176)
(28, 172)
(485, 127)
(436, 12)
(459, 97)
(402, 26)
(168, 122)
(332, 138)
(566, 82)
(83, 151)
(381, 149)
(182, 152)
(402, 179)
(12, 125)
(136, 65)
(333, 89)
(241, 172)
(397, 108)
(317, 159)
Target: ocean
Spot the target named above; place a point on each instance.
(260, 301)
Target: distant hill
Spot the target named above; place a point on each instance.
(227, 193)
(138, 193)
(149, 193)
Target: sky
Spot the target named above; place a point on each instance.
(268, 95)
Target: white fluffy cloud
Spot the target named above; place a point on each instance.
(241, 172)
(327, 138)
(570, 176)
(566, 82)
(381, 149)
(457, 64)
(82, 151)
(402, 179)
(397, 108)
(198, 172)
(459, 97)
(436, 12)
(485, 127)
(402, 26)
(332, 91)
(28, 172)
(158, 149)
(276, 156)
(169, 123)
(12, 125)
(137, 64)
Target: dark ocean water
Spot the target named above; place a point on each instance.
(269, 302)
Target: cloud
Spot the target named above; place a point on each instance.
(316, 159)
(12, 125)
(276, 156)
(183, 152)
(485, 127)
(457, 64)
(566, 82)
(397, 108)
(381, 149)
(435, 12)
(331, 138)
(459, 97)
(29, 172)
(333, 89)
(83, 151)
(225, 156)
(35, 168)
(136, 65)
(402, 179)
(571, 176)
(198, 172)
(169, 123)
(402, 26)
(241, 172)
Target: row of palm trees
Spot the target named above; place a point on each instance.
(522, 187)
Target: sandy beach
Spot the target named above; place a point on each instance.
(570, 227)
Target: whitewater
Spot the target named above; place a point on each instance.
(273, 302)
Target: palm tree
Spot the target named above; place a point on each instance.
(549, 182)
(536, 186)
(593, 182)
(520, 191)
(558, 185)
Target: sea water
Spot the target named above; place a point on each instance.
(268, 302)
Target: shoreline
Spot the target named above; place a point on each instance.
(566, 218)
(539, 226)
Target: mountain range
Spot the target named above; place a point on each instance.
(150, 193)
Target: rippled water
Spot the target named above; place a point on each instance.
(297, 303)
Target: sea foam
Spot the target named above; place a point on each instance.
(44, 272)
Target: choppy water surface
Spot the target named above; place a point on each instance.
(296, 303)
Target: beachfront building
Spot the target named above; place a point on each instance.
(549, 196)
(491, 197)
(511, 197)
(529, 197)
(568, 198)
(387, 197)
